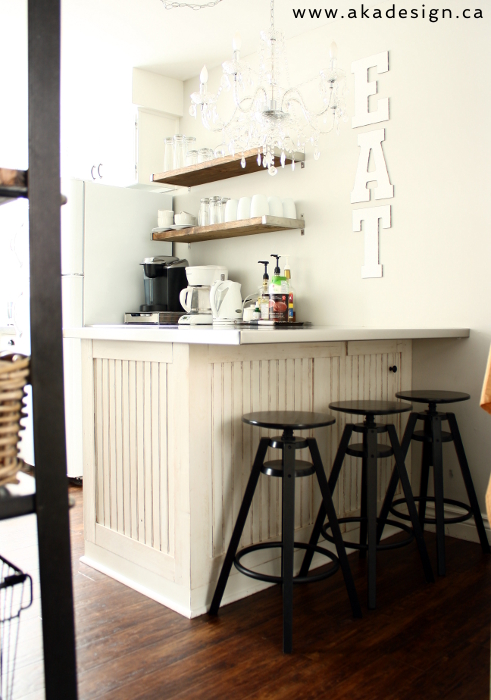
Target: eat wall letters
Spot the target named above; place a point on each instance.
(364, 90)
(370, 218)
(370, 143)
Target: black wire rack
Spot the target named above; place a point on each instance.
(15, 596)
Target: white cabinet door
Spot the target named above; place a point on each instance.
(98, 145)
(151, 131)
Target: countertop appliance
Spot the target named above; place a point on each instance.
(226, 302)
(164, 276)
(195, 299)
(105, 233)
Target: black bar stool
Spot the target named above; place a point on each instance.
(369, 451)
(432, 437)
(287, 468)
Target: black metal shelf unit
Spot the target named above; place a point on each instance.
(50, 502)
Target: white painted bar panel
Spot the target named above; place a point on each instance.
(171, 455)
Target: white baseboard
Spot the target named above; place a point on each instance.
(462, 531)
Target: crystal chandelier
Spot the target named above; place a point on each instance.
(173, 5)
(268, 114)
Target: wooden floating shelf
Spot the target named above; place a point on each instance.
(232, 229)
(218, 169)
(13, 184)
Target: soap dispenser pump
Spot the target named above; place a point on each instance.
(264, 292)
(278, 294)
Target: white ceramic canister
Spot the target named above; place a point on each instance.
(275, 206)
(165, 218)
(231, 210)
(244, 208)
(289, 209)
(259, 206)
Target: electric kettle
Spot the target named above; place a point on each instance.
(226, 302)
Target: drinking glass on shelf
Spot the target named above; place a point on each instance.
(221, 151)
(205, 154)
(189, 144)
(223, 204)
(179, 152)
(169, 153)
(191, 157)
(204, 212)
(215, 210)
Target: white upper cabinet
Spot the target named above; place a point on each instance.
(114, 133)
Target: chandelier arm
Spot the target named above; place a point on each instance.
(297, 97)
(239, 103)
(308, 117)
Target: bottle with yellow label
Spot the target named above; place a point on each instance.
(292, 316)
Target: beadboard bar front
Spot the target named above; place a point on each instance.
(167, 457)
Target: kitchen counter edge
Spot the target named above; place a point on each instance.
(235, 336)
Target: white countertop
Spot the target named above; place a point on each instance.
(209, 335)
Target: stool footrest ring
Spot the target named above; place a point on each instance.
(380, 547)
(279, 579)
(432, 521)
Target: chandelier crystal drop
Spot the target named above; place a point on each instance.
(267, 113)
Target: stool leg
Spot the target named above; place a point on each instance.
(423, 481)
(413, 513)
(287, 537)
(239, 525)
(371, 510)
(363, 510)
(321, 515)
(336, 531)
(471, 493)
(436, 435)
(394, 479)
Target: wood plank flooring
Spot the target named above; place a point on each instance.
(423, 641)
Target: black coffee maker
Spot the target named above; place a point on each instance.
(164, 277)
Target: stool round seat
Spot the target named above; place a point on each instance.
(288, 420)
(433, 396)
(370, 408)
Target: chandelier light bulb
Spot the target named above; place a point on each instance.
(203, 76)
(237, 42)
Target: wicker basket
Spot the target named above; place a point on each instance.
(14, 375)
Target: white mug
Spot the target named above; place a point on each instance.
(259, 206)
(165, 218)
(231, 210)
(289, 209)
(244, 208)
(275, 206)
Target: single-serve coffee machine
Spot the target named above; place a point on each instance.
(195, 299)
(164, 277)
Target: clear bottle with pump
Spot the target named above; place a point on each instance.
(292, 316)
(264, 292)
(278, 294)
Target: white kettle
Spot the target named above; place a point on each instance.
(226, 302)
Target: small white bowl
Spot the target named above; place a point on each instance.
(275, 206)
(259, 206)
(184, 218)
(244, 208)
(289, 209)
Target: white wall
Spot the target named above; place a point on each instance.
(436, 254)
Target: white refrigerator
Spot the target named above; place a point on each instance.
(105, 234)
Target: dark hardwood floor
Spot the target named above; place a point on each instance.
(423, 641)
